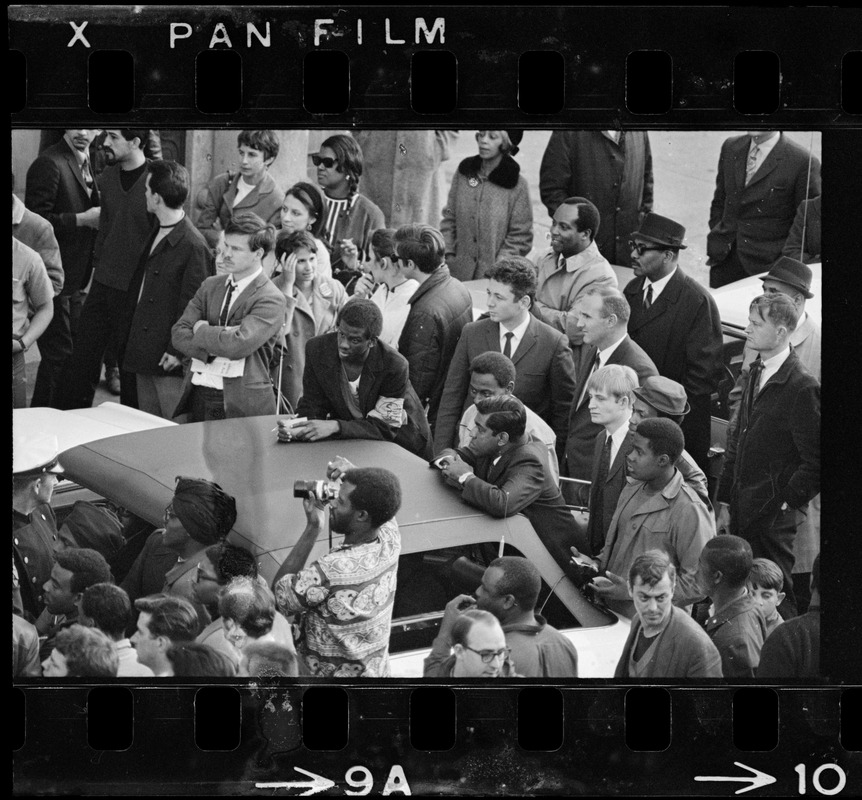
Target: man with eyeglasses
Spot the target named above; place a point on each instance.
(201, 514)
(676, 321)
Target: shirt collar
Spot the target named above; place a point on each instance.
(17, 210)
(777, 360)
(605, 354)
(620, 433)
(519, 331)
(579, 259)
(240, 285)
(661, 282)
(766, 145)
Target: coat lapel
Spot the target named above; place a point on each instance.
(244, 296)
(769, 164)
(528, 341)
(619, 461)
(76, 170)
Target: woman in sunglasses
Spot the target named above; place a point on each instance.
(313, 303)
(302, 210)
(349, 217)
(488, 215)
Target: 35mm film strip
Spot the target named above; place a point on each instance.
(313, 68)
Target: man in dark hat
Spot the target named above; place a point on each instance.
(793, 279)
(200, 514)
(659, 397)
(675, 320)
(34, 528)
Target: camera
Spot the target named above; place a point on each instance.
(322, 491)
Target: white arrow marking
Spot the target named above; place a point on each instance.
(317, 784)
(759, 778)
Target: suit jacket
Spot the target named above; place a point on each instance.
(758, 217)
(56, 191)
(384, 377)
(544, 376)
(519, 483)
(306, 320)
(171, 275)
(614, 484)
(680, 331)
(773, 450)
(580, 442)
(617, 177)
(683, 650)
(806, 224)
(255, 321)
(217, 204)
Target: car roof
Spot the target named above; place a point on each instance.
(138, 471)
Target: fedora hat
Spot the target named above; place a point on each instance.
(661, 230)
(664, 395)
(793, 273)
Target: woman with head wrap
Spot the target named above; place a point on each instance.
(201, 514)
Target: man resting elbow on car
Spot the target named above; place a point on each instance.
(356, 387)
(504, 472)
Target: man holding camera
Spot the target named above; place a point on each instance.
(344, 599)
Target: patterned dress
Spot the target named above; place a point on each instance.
(345, 601)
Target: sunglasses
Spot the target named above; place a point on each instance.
(488, 656)
(642, 248)
(317, 160)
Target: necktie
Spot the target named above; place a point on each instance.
(222, 320)
(751, 166)
(648, 297)
(754, 381)
(507, 347)
(597, 505)
(597, 362)
(87, 175)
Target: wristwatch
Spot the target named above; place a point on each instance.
(19, 337)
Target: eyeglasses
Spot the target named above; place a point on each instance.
(317, 160)
(200, 575)
(169, 513)
(488, 656)
(642, 248)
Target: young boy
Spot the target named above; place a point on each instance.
(736, 625)
(765, 582)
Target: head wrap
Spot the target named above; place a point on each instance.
(206, 511)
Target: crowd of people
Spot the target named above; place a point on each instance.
(568, 390)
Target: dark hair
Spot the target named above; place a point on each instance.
(231, 561)
(424, 245)
(731, 555)
(270, 660)
(613, 302)
(506, 414)
(517, 273)
(360, 313)
(109, 607)
(287, 243)
(651, 567)
(778, 309)
(521, 579)
(250, 604)
(376, 491)
(383, 243)
(170, 181)
(496, 364)
(309, 195)
(261, 236)
(766, 574)
(265, 141)
(588, 215)
(89, 653)
(172, 617)
(193, 660)
(465, 622)
(142, 134)
(664, 435)
(348, 154)
(87, 567)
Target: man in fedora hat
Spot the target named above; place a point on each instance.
(793, 279)
(34, 528)
(660, 397)
(675, 320)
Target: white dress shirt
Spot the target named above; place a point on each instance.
(517, 334)
(771, 366)
(657, 286)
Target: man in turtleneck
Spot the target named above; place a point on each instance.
(171, 269)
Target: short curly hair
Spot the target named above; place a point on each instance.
(517, 273)
(89, 653)
(375, 490)
(109, 607)
(231, 561)
(87, 567)
(362, 313)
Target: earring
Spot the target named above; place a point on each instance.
(308, 227)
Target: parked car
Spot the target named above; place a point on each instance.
(445, 542)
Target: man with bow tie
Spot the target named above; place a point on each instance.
(772, 464)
